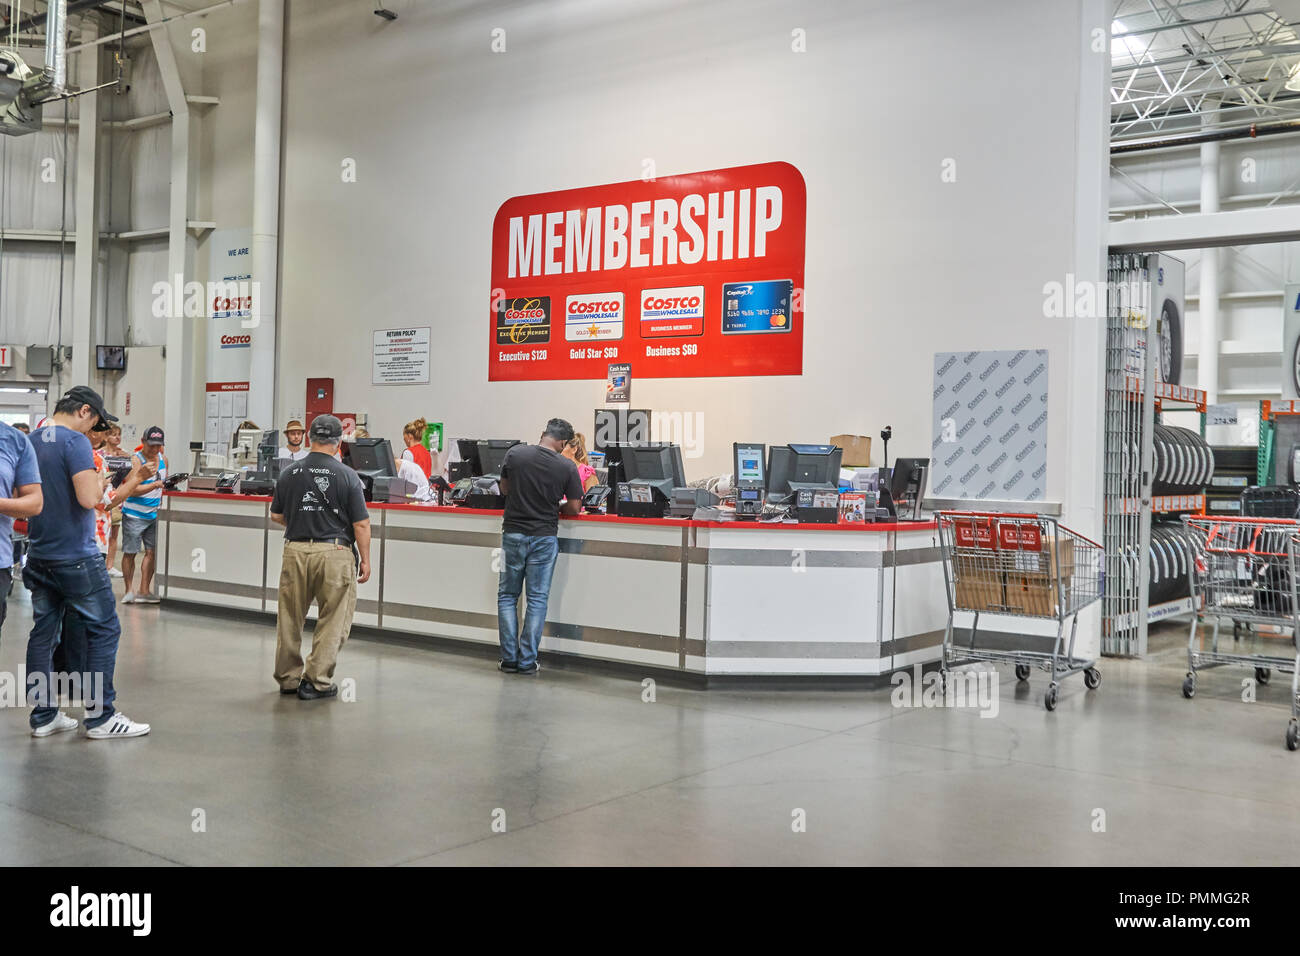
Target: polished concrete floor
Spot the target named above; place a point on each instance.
(438, 747)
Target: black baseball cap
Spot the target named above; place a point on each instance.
(85, 395)
(153, 435)
(325, 428)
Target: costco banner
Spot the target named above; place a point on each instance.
(684, 276)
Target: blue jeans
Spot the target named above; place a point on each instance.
(82, 587)
(527, 560)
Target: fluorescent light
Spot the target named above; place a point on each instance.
(1293, 79)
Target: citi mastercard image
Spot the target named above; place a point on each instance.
(764, 306)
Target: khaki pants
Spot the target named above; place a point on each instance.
(326, 573)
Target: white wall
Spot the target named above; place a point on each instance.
(899, 264)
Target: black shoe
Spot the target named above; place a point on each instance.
(505, 668)
(307, 691)
(286, 691)
(528, 671)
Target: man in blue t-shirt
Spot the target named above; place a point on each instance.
(65, 571)
(20, 497)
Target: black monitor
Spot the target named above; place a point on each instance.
(616, 427)
(492, 453)
(468, 448)
(110, 357)
(794, 467)
(654, 462)
(268, 449)
(373, 457)
(907, 485)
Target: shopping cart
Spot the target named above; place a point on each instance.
(1022, 566)
(1293, 727)
(1241, 572)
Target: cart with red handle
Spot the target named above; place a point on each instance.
(1019, 565)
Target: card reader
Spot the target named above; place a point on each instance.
(750, 479)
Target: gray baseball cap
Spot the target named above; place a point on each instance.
(326, 428)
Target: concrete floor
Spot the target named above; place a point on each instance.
(586, 773)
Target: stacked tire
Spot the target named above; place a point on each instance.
(1172, 549)
(1184, 462)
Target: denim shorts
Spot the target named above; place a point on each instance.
(139, 534)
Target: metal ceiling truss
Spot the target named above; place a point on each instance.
(1179, 64)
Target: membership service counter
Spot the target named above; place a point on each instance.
(703, 598)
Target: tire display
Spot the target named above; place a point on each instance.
(1183, 464)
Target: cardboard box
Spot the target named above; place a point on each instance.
(857, 450)
(1031, 578)
(979, 589)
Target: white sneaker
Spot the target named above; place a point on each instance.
(61, 723)
(129, 597)
(147, 599)
(114, 573)
(119, 725)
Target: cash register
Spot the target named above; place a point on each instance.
(650, 473)
(483, 488)
(373, 461)
(805, 479)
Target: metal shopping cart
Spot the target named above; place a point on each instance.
(1022, 566)
(1293, 727)
(1241, 571)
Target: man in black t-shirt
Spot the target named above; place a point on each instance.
(533, 478)
(322, 505)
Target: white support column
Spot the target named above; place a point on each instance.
(264, 370)
(86, 255)
(1085, 365)
(182, 371)
(1207, 366)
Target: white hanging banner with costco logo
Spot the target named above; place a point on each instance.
(990, 425)
(400, 357)
(229, 295)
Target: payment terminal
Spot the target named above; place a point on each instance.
(749, 479)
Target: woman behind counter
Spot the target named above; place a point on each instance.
(576, 452)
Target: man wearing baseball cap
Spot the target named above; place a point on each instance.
(65, 571)
(322, 505)
(294, 448)
(140, 521)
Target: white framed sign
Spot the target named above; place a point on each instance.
(400, 357)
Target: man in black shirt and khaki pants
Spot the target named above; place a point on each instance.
(322, 505)
(533, 478)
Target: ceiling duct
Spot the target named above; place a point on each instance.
(22, 89)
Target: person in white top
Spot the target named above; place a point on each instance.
(294, 448)
(413, 473)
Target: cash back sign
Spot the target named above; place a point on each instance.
(683, 276)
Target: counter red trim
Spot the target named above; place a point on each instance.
(615, 519)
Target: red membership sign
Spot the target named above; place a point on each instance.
(683, 276)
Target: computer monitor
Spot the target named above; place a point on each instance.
(110, 357)
(268, 450)
(653, 462)
(492, 453)
(373, 457)
(468, 448)
(907, 486)
(749, 468)
(794, 467)
(620, 426)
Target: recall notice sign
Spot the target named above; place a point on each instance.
(680, 276)
(401, 357)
